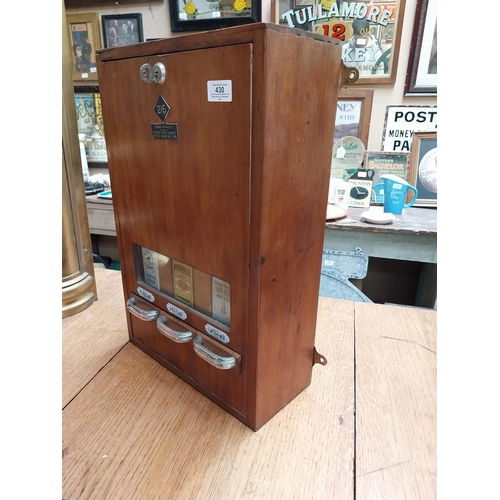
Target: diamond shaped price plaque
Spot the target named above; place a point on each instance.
(161, 108)
(163, 130)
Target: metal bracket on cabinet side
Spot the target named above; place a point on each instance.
(318, 358)
(348, 75)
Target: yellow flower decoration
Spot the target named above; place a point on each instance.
(190, 7)
(239, 5)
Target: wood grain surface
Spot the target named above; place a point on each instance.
(90, 340)
(395, 402)
(139, 432)
(365, 428)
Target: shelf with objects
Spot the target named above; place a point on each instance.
(382, 208)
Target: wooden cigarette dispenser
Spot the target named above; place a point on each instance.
(219, 150)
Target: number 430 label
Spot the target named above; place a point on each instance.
(220, 90)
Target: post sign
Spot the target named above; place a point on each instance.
(402, 121)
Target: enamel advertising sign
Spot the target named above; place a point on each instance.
(369, 31)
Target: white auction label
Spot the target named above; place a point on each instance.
(220, 90)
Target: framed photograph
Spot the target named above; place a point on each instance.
(386, 163)
(421, 77)
(354, 110)
(122, 29)
(203, 15)
(90, 126)
(85, 39)
(370, 33)
(423, 168)
(402, 121)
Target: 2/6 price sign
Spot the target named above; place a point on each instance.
(220, 90)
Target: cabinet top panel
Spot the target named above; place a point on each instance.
(225, 36)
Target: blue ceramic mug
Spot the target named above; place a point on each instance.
(395, 189)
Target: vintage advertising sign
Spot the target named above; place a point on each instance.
(369, 31)
(402, 121)
(387, 163)
(347, 119)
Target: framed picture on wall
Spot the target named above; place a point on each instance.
(90, 126)
(85, 39)
(370, 33)
(386, 163)
(122, 29)
(202, 15)
(421, 77)
(423, 168)
(354, 110)
(402, 121)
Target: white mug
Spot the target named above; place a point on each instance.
(339, 192)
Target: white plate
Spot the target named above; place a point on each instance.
(377, 217)
(334, 212)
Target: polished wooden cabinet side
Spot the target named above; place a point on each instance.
(241, 195)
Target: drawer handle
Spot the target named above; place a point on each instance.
(140, 313)
(220, 362)
(176, 336)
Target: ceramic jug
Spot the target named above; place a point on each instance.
(395, 189)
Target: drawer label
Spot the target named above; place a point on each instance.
(176, 311)
(216, 333)
(145, 294)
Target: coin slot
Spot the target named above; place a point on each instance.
(159, 73)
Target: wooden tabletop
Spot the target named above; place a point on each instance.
(364, 428)
(413, 220)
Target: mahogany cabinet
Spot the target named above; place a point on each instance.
(219, 150)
